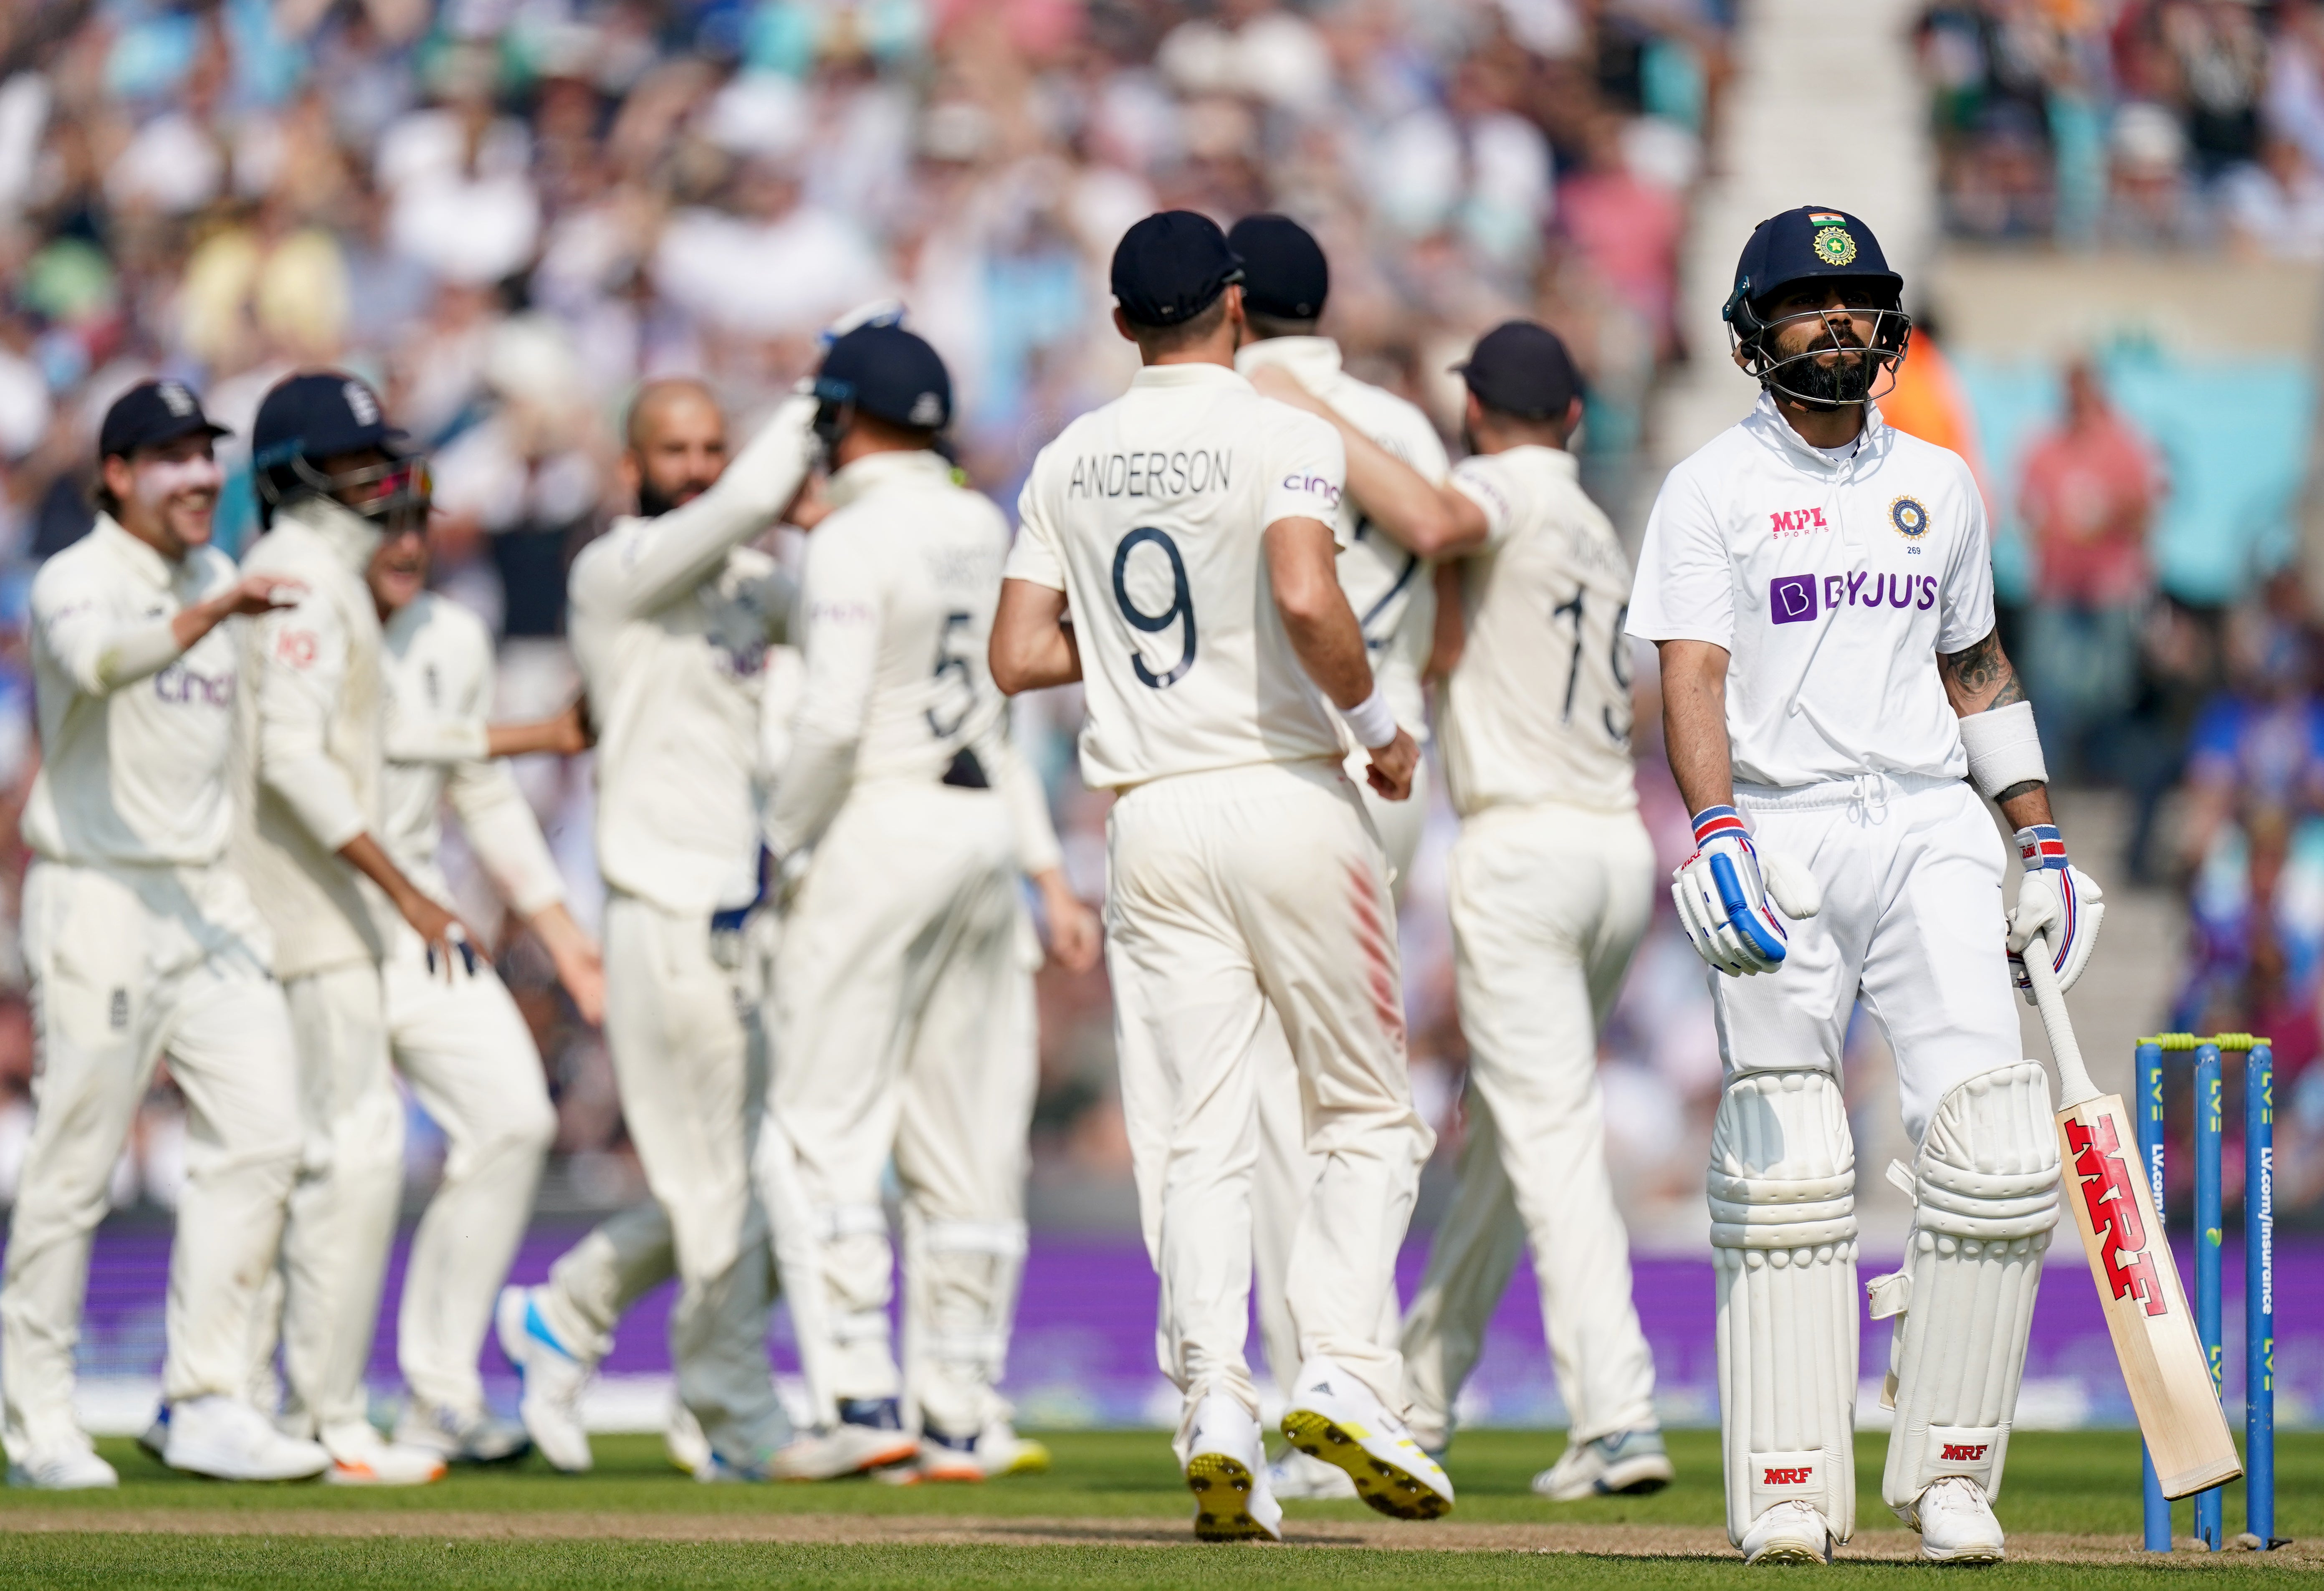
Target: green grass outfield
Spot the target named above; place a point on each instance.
(1111, 1515)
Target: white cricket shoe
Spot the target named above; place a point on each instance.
(683, 1441)
(1956, 1522)
(460, 1435)
(1000, 1451)
(73, 1468)
(1226, 1470)
(816, 1455)
(1309, 1480)
(947, 1459)
(361, 1457)
(1627, 1463)
(554, 1378)
(1789, 1532)
(1335, 1418)
(226, 1440)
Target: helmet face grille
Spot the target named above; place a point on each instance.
(1836, 370)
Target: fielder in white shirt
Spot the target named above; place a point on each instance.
(331, 477)
(1392, 589)
(140, 940)
(673, 616)
(462, 1044)
(903, 986)
(1835, 702)
(1551, 886)
(1186, 528)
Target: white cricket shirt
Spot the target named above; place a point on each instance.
(671, 619)
(1832, 584)
(896, 610)
(1393, 591)
(307, 755)
(134, 732)
(1148, 514)
(1538, 708)
(437, 662)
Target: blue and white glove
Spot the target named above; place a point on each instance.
(2056, 900)
(1722, 891)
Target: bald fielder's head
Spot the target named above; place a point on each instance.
(673, 444)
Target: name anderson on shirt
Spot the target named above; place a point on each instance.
(1151, 475)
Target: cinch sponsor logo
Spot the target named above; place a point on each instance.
(1964, 1452)
(178, 683)
(2117, 1219)
(1319, 486)
(1795, 521)
(1788, 1477)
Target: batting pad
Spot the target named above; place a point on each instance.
(1783, 1234)
(1985, 1188)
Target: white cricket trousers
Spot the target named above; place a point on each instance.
(1235, 898)
(344, 1205)
(682, 1021)
(464, 1049)
(1547, 904)
(1286, 1173)
(1913, 919)
(127, 963)
(900, 994)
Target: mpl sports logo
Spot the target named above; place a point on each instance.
(2116, 1212)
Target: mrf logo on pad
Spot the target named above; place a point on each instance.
(1965, 1452)
(1791, 1476)
(2113, 1201)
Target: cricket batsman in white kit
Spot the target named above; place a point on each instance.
(140, 940)
(902, 985)
(1392, 590)
(1836, 701)
(461, 1043)
(1551, 886)
(1186, 529)
(672, 617)
(332, 479)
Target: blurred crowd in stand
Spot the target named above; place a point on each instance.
(508, 212)
(2191, 123)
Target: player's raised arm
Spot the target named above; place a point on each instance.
(692, 538)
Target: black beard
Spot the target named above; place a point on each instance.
(653, 502)
(1843, 381)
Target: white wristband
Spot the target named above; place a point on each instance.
(2003, 748)
(1372, 722)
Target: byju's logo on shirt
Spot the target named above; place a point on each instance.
(1792, 599)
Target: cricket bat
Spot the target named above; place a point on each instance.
(2147, 1312)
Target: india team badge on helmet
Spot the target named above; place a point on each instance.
(1911, 520)
(1835, 248)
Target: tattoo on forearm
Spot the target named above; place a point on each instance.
(2024, 787)
(1982, 668)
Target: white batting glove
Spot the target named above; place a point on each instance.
(2056, 900)
(1722, 891)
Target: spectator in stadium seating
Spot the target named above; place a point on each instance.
(2088, 493)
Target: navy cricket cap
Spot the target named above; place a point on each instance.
(1522, 368)
(1284, 274)
(319, 414)
(1172, 267)
(150, 413)
(888, 371)
(1812, 241)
